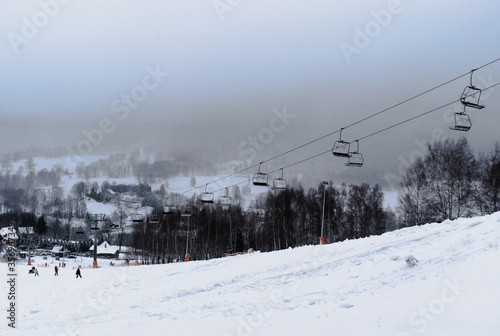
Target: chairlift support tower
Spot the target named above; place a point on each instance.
(95, 218)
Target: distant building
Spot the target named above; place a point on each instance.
(106, 251)
(57, 251)
(5, 234)
(108, 195)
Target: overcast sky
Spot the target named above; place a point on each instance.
(213, 74)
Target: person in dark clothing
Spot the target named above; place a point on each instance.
(78, 273)
(56, 270)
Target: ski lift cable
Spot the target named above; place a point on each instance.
(369, 135)
(487, 64)
(382, 111)
(418, 116)
(358, 122)
(416, 96)
(383, 130)
(334, 132)
(353, 124)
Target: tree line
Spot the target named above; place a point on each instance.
(277, 220)
(136, 164)
(450, 182)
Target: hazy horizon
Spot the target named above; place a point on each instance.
(210, 76)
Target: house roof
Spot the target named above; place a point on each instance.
(105, 248)
(57, 249)
(6, 234)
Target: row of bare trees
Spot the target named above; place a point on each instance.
(450, 182)
(280, 220)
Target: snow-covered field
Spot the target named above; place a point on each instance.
(357, 287)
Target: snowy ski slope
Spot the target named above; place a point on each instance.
(356, 287)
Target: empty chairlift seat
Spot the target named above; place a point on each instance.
(471, 95)
(279, 183)
(187, 213)
(137, 218)
(341, 148)
(225, 201)
(462, 122)
(260, 179)
(355, 158)
(168, 210)
(155, 219)
(207, 197)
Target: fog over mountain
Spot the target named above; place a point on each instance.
(245, 80)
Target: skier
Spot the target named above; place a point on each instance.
(78, 274)
(56, 270)
(36, 272)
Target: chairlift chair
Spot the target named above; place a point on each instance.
(137, 218)
(96, 218)
(186, 213)
(355, 158)
(462, 122)
(471, 95)
(279, 183)
(225, 201)
(168, 210)
(207, 197)
(155, 219)
(260, 178)
(340, 147)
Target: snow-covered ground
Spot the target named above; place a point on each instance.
(94, 207)
(356, 287)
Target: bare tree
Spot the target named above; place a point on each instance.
(413, 195)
